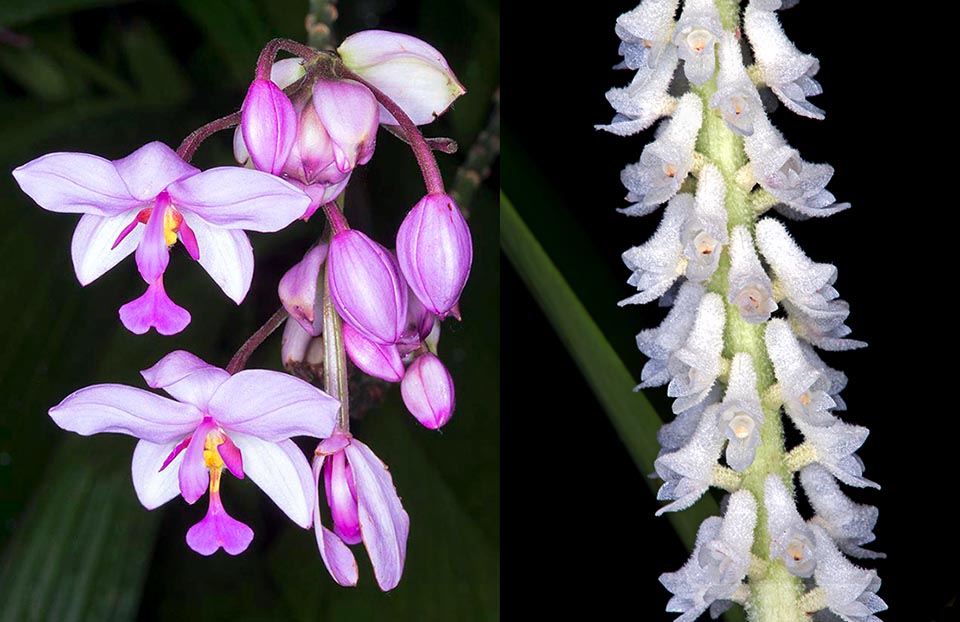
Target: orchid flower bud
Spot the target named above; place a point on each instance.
(435, 252)
(348, 112)
(367, 289)
(378, 360)
(427, 391)
(409, 71)
(269, 126)
(342, 498)
(298, 289)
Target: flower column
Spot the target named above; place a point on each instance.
(728, 360)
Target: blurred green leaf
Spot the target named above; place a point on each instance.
(85, 544)
(237, 30)
(154, 68)
(629, 411)
(36, 72)
(16, 12)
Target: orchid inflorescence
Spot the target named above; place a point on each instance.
(305, 125)
(748, 312)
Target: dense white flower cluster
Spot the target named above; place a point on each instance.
(748, 311)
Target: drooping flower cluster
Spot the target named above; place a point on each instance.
(305, 125)
(748, 312)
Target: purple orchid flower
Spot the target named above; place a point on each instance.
(242, 423)
(207, 211)
(365, 507)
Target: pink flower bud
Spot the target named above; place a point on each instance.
(435, 252)
(269, 126)
(349, 113)
(298, 289)
(366, 287)
(409, 71)
(342, 498)
(311, 159)
(420, 323)
(427, 390)
(378, 360)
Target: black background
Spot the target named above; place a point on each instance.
(578, 516)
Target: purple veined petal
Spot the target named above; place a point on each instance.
(336, 555)
(155, 486)
(153, 255)
(350, 114)
(154, 309)
(92, 247)
(273, 406)
(75, 183)
(186, 377)
(231, 197)
(219, 529)
(298, 289)
(125, 410)
(281, 471)
(383, 521)
(226, 255)
(341, 496)
(189, 239)
(193, 473)
(333, 443)
(378, 360)
(269, 126)
(151, 168)
(408, 70)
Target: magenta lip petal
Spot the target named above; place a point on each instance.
(194, 475)
(342, 498)
(175, 452)
(378, 360)
(219, 529)
(154, 309)
(428, 392)
(189, 240)
(336, 556)
(269, 126)
(231, 456)
(152, 253)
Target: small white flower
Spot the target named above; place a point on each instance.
(719, 562)
(791, 539)
(696, 33)
(849, 524)
(736, 97)
(688, 472)
(645, 100)
(787, 71)
(659, 261)
(661, 342)
(666, 162)
(695, 367)
(851, 592)
(742, 413)
(834, 447)
(780, 170)
(803, 386)
(645, 32)
(705, 232)
(674, 435)
(750, 289)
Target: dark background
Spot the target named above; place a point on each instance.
(104, 77)
(594, 542)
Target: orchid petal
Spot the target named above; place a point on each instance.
(298, 289)
(378, 360)
(154, 309)
(92, 248)
(281, 471)
(383, 521)
(219, 529)
(186, 377)
(153, 256)
(239, 198)
(226, 255)
(189, 239)
(155, 486)
(125, 410)
(269, 126)
(336, 555)
(75, 183)
(273, 406)
(349, 113)
(193, 472)
(231, 456)
(151, 168)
